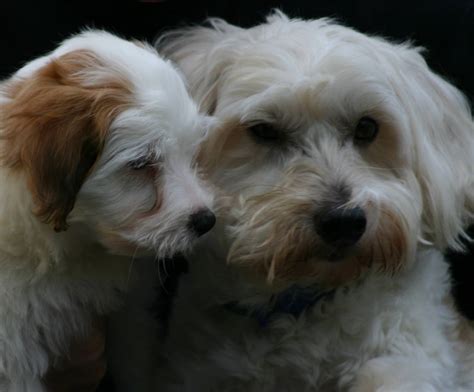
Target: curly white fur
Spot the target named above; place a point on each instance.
(390, 325)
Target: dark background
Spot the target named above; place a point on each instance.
(446, 28)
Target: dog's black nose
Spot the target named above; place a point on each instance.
(341, 227)
(202, 221)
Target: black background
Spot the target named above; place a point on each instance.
(445, 28)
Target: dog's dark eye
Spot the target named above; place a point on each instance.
(140, 163)
(366, 130)
(265, 133)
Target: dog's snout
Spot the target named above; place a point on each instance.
(341, 227)
(202, 221)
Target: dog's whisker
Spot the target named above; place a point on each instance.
(164, 262)
(160, 277)
(376, 168)
(130, 268)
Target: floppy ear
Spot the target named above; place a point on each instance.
(443, 134)
(202, 56)
(54, 126)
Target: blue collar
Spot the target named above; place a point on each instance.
(294, 300)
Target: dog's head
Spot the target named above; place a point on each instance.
(341, 152)
(105, 135)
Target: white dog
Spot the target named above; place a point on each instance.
(97, 142)
(346, 167)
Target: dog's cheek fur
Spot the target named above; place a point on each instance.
(55, 127)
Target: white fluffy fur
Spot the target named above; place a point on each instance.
(388, 328)
(52, 284)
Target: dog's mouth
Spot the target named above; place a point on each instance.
(336, 255)
(333, 254)
(170, 271)
(173, 267)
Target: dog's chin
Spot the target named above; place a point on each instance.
(119, 245)
(130, 244)
(330, 254)
(317, 264)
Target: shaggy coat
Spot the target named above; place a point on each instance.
(345, 167)
(97, 146)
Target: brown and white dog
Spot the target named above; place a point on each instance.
(97, 143)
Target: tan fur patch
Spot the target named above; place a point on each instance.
(54, 128)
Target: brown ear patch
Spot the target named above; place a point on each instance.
(54, 127)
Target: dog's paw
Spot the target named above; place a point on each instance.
(391, 375)
(379, 385)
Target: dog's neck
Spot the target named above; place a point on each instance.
(30, 249)
(22, 237)
(293, 301)
(223, 286)
(219, 283)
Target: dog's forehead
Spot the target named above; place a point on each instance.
(156, 129)
(301, 56)
(331, 86)
(311, 75)
(313, 69)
